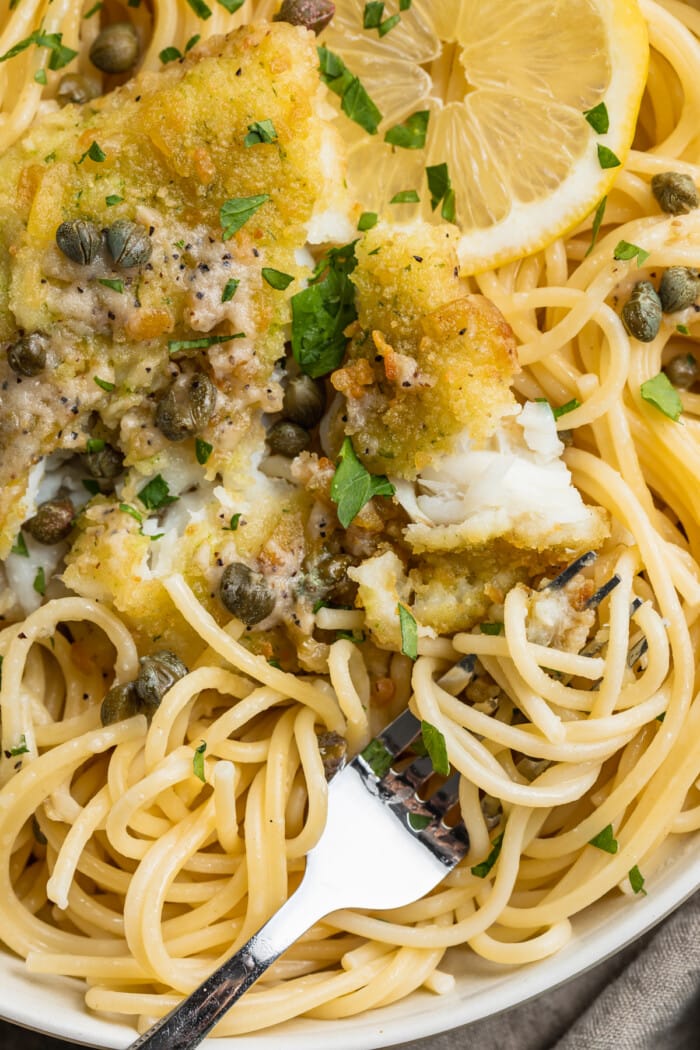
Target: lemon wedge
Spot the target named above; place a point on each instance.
(501, 89)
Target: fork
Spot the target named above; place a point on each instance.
(383, 847)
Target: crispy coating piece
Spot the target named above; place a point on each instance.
(426, 360)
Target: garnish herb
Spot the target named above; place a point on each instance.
(126, 509)
(367, 220)
(418, 821)
(354, 100)
(115, 285)
(322, 312)
(200, 9)
(562, 410)
(636, 880)
(372, 16)
(95, 152)
(156, 493)
(20, 546)
(598, 118)
(198, 761)
(104, 384)
(605, 840)
(176, 346)
(235, 213)
(21, 748)
(409, 633)
(92, 486)
(260, 131)
(113, 199)
(276, 279)
(606, 157)
(377, 757)
(405, 5)
(169, 54)
(388, 24)
(60, 55)
(196, 38)
(353, 486)
(440, 188)
(229, 290)
(661, 393)
(357, 637)
(436, 747)
(93, 10)
(411, 134)
(405, 197)
(597, 222)
(483, 869)
(234, 523)
(39, 584)
(231, 5)
(202, 450)
(626, 251)
(40, 76)
(492, 628)
(683, 329)
(95, 444)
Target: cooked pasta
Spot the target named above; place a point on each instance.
(137, 855)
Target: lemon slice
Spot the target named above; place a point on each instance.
(507, 84)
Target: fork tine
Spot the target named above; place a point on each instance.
(570, 571)
(602, 592)
(447, 797)
(415, 775)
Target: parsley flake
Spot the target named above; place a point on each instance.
(91, 486)
(195, 39)
(418, 821)
(597, 222)
(20, 546)
(636, 880)
(276, 279)
(377, 757)
(405, 5)
(662, 394)
(234, 523)
(113, 199)
(156, 493)
(436, 747)
(39, 584)
(115, 285)
(409, 633)
(198, 761)
(388, 24)
(440, 187)
(367, 220)
(231, 5)
(683, 329)
(626, 251)
(126, 509)
(598, 118)
(177, 346)
(492, 628)
(104, 384)
(412, 133)
(355, 102)
(322, 312)
(405, 197)
(200, 9)
(229, 290)
(202, 450)
(169, 54)
(235, 212)
(606, 157)
(260, 132)
(563, 410)
(353, 486)
(372, 15)
(21, 748)
(93, 10)
(605, 840)
(95, 152)
(40, 76)
(483, 869)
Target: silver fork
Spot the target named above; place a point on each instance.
(383, 847)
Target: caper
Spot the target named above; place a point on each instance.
(312, 14)
(121, 702)
(246, 594)
(333, 748)
(128, 244)
(678, 289)
(287, 439)
(27, 356)
(107, 463)
(492, 810)
(52, 521)
(115, 48)
(303, 401)
(73, 87)
(675, 192)
(79, 240)
(157, 674)
(683, 371)
(641, 314)
(186, 407)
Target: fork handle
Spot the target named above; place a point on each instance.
(189, 1022)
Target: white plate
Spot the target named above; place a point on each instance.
(54, 1006)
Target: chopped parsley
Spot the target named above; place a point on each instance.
(626, 251)
(177, 346)
(353, 486)
(388, 24)
(92, 486)
(20, 546)
(683, 329)
(598, 118)
(606, 157)
(405, 5)
(202, 450)
(492, 628)
(372, 15)
(95, 152)
(409, 633)
(354, 100)
(200, 9)
(229, 290)
(436, 747)
(605, 840)
(169, 54)
(231, 5)
(104, 384)
(260, 132)
(194, 40)
(418, 821)
(378, 757)
(156, 493)
(563, 410)
(597, 222)
(21, 748)
(636, 880)
(40, 76)
(234, 523)
(113, 199)
(405, 197)
(93, 10)
(411, 134)
(198, 761)
(276, 279)
(483, 869)
(115, 285)
(322, 312)
(39, 584)
(662, 394)
(126, 509)
(235, 212)
(440, 187)
(357, 637)
(95, 444)
(60, 55)
(367, 220)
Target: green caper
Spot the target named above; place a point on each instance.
(121, 702)
(531, 768)
(683, 371)
(675, 192)
(312, 14)
(79, 240)
(157, 673)
(115, 48)
(641, 314)
(246, 594)
(287, 439)
(128, 244)
(678, 289)
(107, 463)
(333, 749)
(304, 401)
(73, 87)
(52, 521)
(27, 356)
(186, 407)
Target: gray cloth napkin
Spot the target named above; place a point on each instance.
(646, 997)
